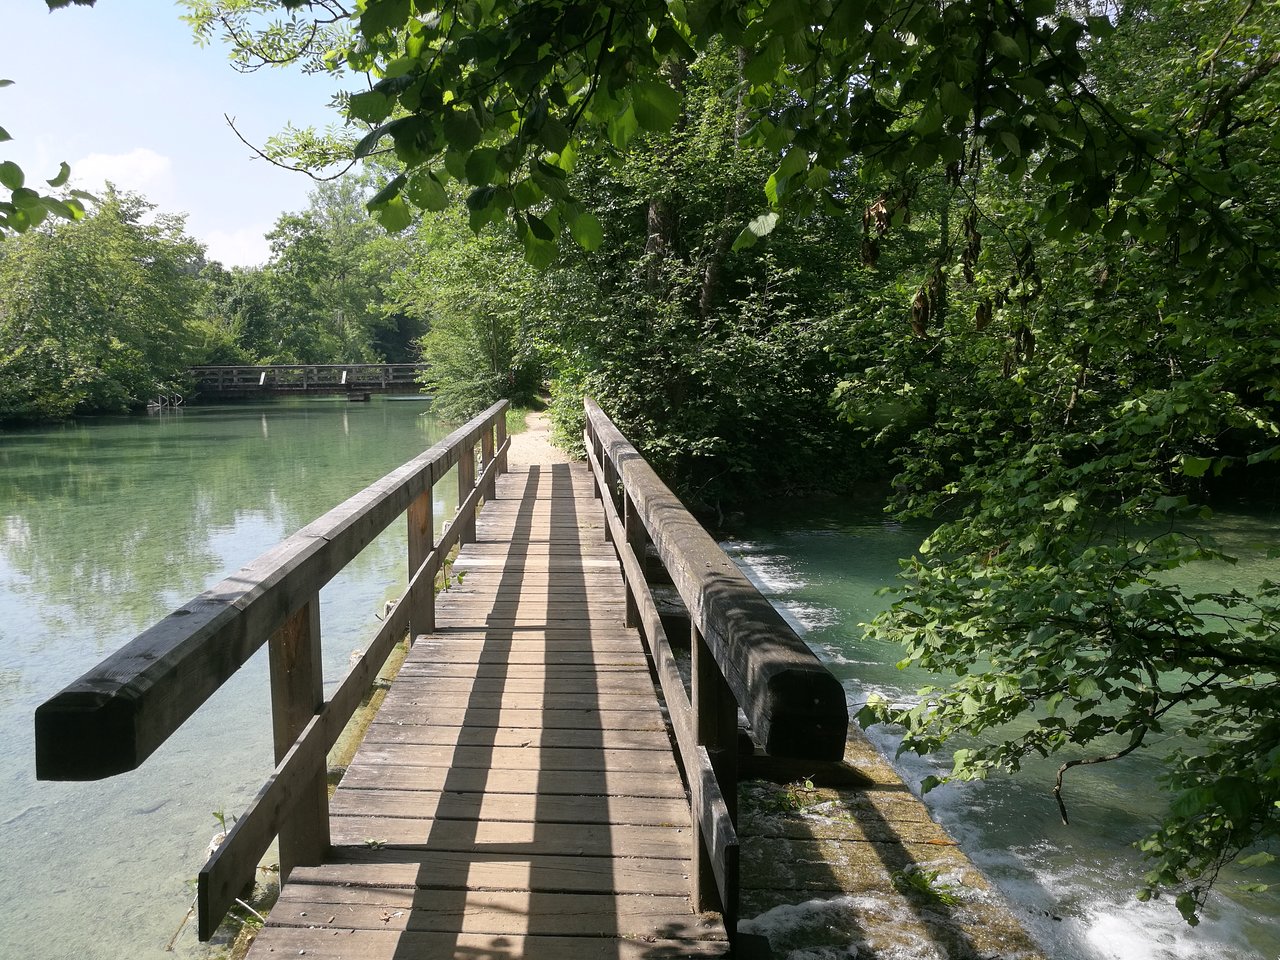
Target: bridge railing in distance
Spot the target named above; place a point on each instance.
(304, 377)
(116, 715)
(744, 655)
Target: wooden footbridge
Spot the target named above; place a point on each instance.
(356, 380)
(545, 779)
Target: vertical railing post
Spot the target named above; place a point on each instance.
(634, 528)
(486, 457)
(297, 692)
(500, 438)
(466, 483)
(422, 609)
(715, 726)
(608, 478)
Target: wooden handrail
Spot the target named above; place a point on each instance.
(112, 718)
(744, 653)
(795, 706)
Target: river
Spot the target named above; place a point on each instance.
(824, 564)
(106, 525)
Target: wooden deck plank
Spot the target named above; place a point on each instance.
(331, 943)
(516, 794)
(515, 838)
(516, 807)
(441, 779)
(506, 759)
(393, 868)
(491, 912)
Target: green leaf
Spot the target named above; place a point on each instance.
(656, 105)
(481, 166)
(11, 175)
(764, 66)
(372, 106)
(394, 215)
(553, 135)
(383, 16)
(1006, 45)
(622, 127)
(930, 120)
(1196, 466)
(370, 140)
(539, 228)
(387, 193)
(761, 226)
(64, 173)
(5, 83)
(4, 135)
(462, 130)
(955, 103)
(426, 191)
(586, 231)
(1262, 859)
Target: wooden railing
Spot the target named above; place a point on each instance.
(307, 378)
(743, 655)
(111, 719)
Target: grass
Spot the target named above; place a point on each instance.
(515, 419)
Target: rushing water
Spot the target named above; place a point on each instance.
(824, 565)
(105, 526)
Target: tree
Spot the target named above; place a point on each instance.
(476, 298)
(1068, 404)
(328, 272)
(712, 356)
(93, 314)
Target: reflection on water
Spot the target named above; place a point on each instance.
(105, 526)
(825, 564)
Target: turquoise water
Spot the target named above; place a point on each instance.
(823, 565)
(105, 526)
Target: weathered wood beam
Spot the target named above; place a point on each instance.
(795, 706)
(119, 712)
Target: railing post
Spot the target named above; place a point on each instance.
(634, 527)
(605, 483)
(422, 612)
(297, 693)
(486, 457)
(715, 726)
(466, 483)
(500, 438)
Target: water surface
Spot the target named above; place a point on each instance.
(825, 564)
(105, 526)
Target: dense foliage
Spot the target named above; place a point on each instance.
(93, 314)
(477, 300)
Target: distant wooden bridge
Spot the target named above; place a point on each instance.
(315, 379)
(548, 776)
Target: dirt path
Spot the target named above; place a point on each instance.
(534, 444)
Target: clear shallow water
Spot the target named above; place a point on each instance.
(105, 526)
(823, 565)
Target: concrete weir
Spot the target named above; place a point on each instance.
(863, 872)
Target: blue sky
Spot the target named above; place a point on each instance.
(121, 92)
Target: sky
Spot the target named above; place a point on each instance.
(121, 92)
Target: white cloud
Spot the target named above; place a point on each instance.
(247, 247)
(141, 170)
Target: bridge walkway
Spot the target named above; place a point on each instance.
(517, 793)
